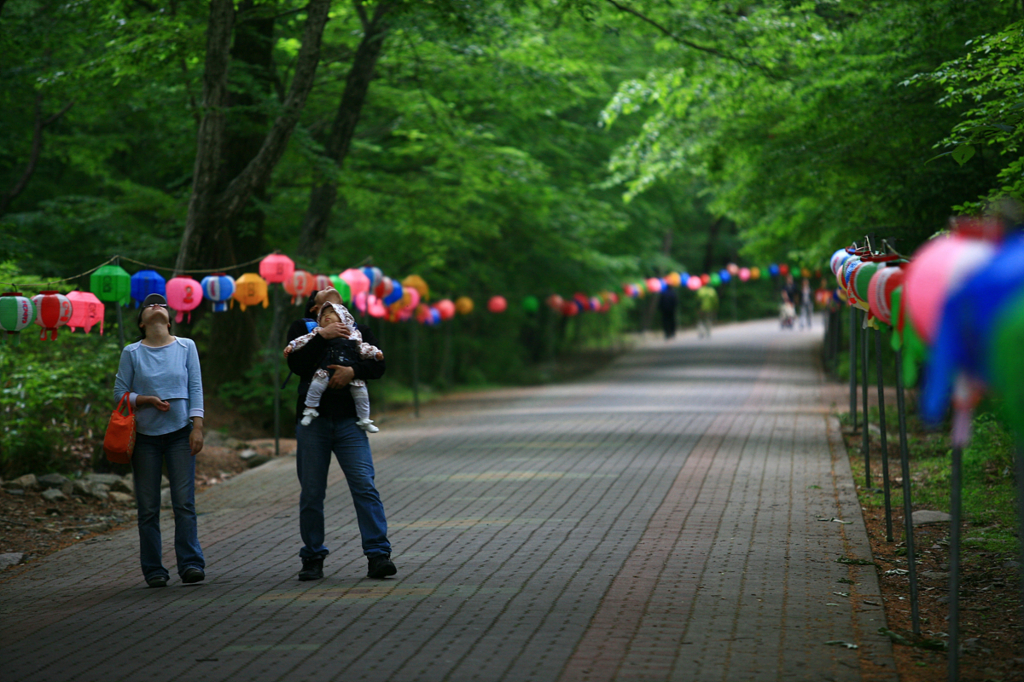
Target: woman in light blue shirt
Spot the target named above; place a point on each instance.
(161, 374)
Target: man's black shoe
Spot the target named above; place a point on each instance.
(193, 575)
(380, 566)
(312, 569)
(157, 581)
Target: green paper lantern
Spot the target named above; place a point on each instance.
(531, 304)
(716, 279)
(343, 288)
(16, 313)
(111, 284)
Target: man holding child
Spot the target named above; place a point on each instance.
(335, 429)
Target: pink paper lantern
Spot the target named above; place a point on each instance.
(87, 311)
(936, 269)
(184, 295)
(654, 285)
(497, 304)
(357, 281)
(694, 283)
(277, 268)
(744, 274)
(375, 307)
(53, 309)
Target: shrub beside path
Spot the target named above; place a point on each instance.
(673, 517)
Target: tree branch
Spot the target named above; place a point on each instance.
(237, 193)
(683, 41)
(361, 11)
(37, 148)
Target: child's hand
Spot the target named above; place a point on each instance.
(379, 355)
(287, 351)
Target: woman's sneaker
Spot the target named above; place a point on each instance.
(367, 425)
(308, 415)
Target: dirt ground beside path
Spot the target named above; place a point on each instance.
(991, 626)
(36, 527)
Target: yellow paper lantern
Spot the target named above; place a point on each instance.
(673, 279)
(464, 305)
(416, 282)
(251, 289)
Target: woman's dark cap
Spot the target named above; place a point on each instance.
(152, 299)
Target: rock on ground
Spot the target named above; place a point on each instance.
(925, 516)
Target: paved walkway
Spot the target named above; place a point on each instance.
(667, 519)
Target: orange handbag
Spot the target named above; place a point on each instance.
(119, 442)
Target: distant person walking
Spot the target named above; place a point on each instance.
(161, 374)
(335, 430)
(806, 303)
(707, 307)
(668, 302)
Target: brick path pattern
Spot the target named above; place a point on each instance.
(670, 518)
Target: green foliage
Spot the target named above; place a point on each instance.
(985, 84)
(55, 399)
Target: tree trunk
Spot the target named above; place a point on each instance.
(233, 341)
(712, 242)
(325, 192)
(217, 197)
(232, 165)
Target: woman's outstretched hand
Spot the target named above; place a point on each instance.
(152, 401)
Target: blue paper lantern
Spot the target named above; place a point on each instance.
(219, 288)
(724, 274)
(395, 295)
(773, 270)
(146, 282)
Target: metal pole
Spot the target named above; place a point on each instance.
(1020, 517)
(853, 368)
(953, 654)
(380, 384)
(120, 322)
(864, 392)
(908, 510)
(885, 446)
(277, 381)
(416, 367)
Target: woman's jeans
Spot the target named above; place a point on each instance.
(151, 452)
(352, 448)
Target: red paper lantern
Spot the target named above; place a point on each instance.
(497, 304)
(555, 302)
(570, 308)
(53, 309)
(277, 268)
(301, 284)
(446, 309)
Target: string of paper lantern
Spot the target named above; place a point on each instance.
(368, 289)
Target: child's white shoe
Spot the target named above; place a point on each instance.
(367, 425)
(308, 415)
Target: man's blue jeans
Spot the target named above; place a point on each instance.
(151, 452)
(352, 448)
